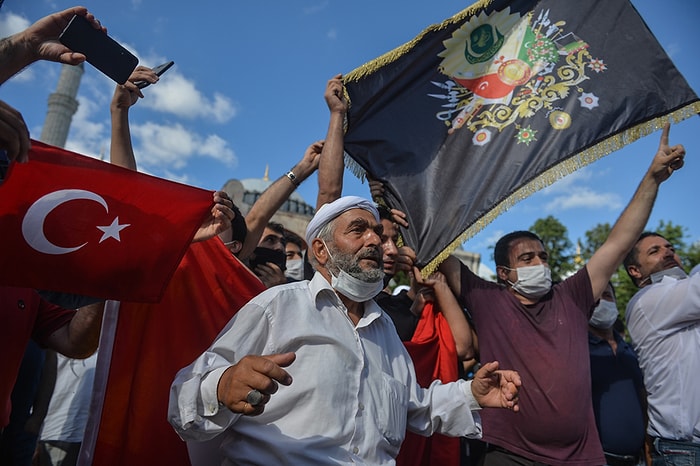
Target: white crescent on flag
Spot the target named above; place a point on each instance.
(33, 222)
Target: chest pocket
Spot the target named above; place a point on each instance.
(392, 409)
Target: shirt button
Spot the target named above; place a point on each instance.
(362, 407)
(355, 450)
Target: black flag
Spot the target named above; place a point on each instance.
(501, 100)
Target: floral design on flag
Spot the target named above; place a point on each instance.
(503, 68)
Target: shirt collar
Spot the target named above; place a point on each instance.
(319, 284)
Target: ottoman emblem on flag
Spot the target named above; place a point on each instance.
(33, 222)
(503, 68)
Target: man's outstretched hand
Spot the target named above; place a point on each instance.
(493, 388)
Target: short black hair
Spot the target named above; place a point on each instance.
(291, 237)
(502, 250)
(239, 229)
(384, 212)
(276, 227)
(632, 257)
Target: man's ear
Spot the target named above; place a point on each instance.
(502, 273)
(236, 246)
(634, 272)
(318, 249)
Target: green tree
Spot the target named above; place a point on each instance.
(594, 239)
(556, 241)
(693, 255)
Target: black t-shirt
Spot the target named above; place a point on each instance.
(398, 308)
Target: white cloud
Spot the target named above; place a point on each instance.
(566, 183)
(485, 242)
(584, 197)
(311, 10)
(175, 94)
(11, 23)
(88, 136)
(673, 50)
(574, 191)
(171, 147)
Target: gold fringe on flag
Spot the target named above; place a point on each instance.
(562, 169)
(393, 55)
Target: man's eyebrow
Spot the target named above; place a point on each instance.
(359, 222)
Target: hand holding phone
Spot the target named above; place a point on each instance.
(100, 50)
(158, 70)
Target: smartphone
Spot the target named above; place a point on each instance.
(159, 70)
(265, 255)
(102, 52)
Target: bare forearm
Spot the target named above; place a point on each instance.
(121, 151)
(461, 330)
(269, 202)
(623, 235)
(14, 56)
(80, 338)
(331, 165)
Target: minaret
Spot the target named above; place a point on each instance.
(62, 106)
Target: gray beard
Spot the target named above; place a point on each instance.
(351, 266)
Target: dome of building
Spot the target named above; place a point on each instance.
(294, 213)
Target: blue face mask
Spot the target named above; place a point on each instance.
(533, 282)
(674, 272)
(352, 287)
(295, 269)
(604, 315)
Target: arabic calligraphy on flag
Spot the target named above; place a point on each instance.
(501, 100)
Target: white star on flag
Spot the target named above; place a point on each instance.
(112, 231)
(588, 100)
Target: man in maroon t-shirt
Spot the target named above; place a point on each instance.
(540, 331)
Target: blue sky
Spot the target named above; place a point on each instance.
(246, 92)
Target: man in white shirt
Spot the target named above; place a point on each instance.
(663, 319)
(314, 372)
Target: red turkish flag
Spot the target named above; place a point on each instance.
(78, 225)
(434, 356)
(142, 350)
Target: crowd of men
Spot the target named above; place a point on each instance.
(322, 367)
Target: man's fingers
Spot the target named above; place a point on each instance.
(279, 361)
(417, 275)
(14, 133)
(664, 135)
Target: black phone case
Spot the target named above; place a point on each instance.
(102, 52)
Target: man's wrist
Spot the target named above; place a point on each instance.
(293, 178)
(471, 398)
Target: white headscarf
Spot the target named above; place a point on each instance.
(329, 211)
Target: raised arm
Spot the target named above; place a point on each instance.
(274, 196)
(332, 165)
(447, 304)
(40, 42)
(121, 151)
(451, 268)
(633, 219)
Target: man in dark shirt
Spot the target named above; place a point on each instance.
(540, 330)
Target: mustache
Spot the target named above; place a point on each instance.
(370, 253)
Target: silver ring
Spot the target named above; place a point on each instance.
(254, 397)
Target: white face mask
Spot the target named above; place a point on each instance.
(352, 287)
(533, 282)
(295, 269)
(674, 272)
(604, 315)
